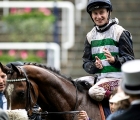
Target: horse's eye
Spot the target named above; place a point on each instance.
(21, 94)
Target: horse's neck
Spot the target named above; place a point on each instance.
(56, 92)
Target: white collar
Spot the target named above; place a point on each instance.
(114, 20)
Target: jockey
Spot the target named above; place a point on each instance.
(107, 46)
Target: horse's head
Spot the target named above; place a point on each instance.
(18, 88)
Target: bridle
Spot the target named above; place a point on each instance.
(29, 86)
(30, 100)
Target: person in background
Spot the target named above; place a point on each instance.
(107, 46)
(111, 104)
(131, 86)
(83, 116)
(3, 100)
(120, 103)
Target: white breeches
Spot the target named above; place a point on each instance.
(98, 91)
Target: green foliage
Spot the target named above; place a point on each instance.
(31, 26)
(6, 59)
(31, 57)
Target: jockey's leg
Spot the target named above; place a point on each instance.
(103, 88)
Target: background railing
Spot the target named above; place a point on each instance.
(53, 50)
(67, 23)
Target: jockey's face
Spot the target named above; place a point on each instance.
(100, 16)
(3, 78)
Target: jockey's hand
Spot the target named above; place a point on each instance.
(108, 55)
(98, 63)
(83, 115)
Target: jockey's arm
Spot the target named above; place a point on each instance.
(88, 62)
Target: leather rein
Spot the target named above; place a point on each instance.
(30, 100)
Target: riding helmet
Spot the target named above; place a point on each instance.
(95, 4)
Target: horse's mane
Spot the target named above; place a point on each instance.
(49, 68)
(81, 85)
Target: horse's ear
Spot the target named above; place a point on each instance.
(4, 69)
(15, 68)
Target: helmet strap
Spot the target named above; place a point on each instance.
(109, 14)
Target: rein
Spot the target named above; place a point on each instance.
(46, 113)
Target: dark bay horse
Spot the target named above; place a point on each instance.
(53, 92)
